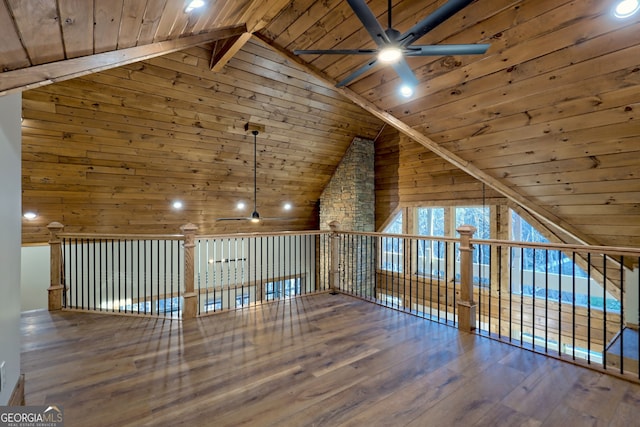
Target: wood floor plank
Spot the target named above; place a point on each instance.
(315, 360)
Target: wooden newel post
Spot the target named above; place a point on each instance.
(466, 305)
(56, 288)
(190, 308)
(334, 260)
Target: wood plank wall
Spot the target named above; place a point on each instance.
(407, 174)
(109, 152)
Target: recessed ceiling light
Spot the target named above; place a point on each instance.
(240, 205)
(194, 4)
(406, 91)
(30, 215)
(177, 204)
(287, 206)
(626, 8)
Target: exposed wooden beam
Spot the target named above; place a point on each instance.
(543, 214)
(256, 16)
(224, 50)
(40, 75)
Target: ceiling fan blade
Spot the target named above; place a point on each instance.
(446, 49)
(360, 71)
(428, 23)
(405, 73)
(234, 219)
(369, 21)
(336, 52)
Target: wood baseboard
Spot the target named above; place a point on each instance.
(17, 397)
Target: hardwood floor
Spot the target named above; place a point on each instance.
(322, 360)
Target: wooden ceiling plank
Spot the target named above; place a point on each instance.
(19, 80)
(107, 16)
(132, 14)
(529, 44)
(76, 20)
(151, 21)
(172, 9)
(14, 55)
(39, 26)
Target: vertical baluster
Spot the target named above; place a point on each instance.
(622, 314)
(214, 273)
(164, 278)
(499, 253)
(101, 271)
(490, 294)
(159, 300)
(125, 272)
(95, 281)
(144, 276)
(119, 272)
(479, 285)
(511, 293)
(440, 278)
(178, 283)
(446, 281)
(139, 297)
(560, 305)
(533, 305)
(546, 300)
(589, 308)
(604, 313)
(521, 296)
(573, 308)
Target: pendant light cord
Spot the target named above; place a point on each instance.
(255, 170)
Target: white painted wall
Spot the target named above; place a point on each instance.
(10, 241)
(34, 277)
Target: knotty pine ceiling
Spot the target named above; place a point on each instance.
(123, 112)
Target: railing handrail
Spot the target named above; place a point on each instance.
(110, 236)
(263, 234)
(608, 250)
(118, 236)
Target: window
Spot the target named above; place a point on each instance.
(282, 288)
(242, 300)
(392, 247)
(431, 254)
(480, 218)
(552, 272)
(213, 304)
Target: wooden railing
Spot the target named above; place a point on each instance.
(183, 275)
(578, 303)
(573, 302)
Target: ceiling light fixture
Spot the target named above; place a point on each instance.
(287, 206)
(240, 205)
(626, 8)
(194, 4)
(406, 91)
(390, 54)
(177, 204)
(30, 215)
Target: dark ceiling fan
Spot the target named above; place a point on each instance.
(394, 46)
(255, 216)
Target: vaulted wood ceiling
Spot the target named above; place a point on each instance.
(546, 118)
